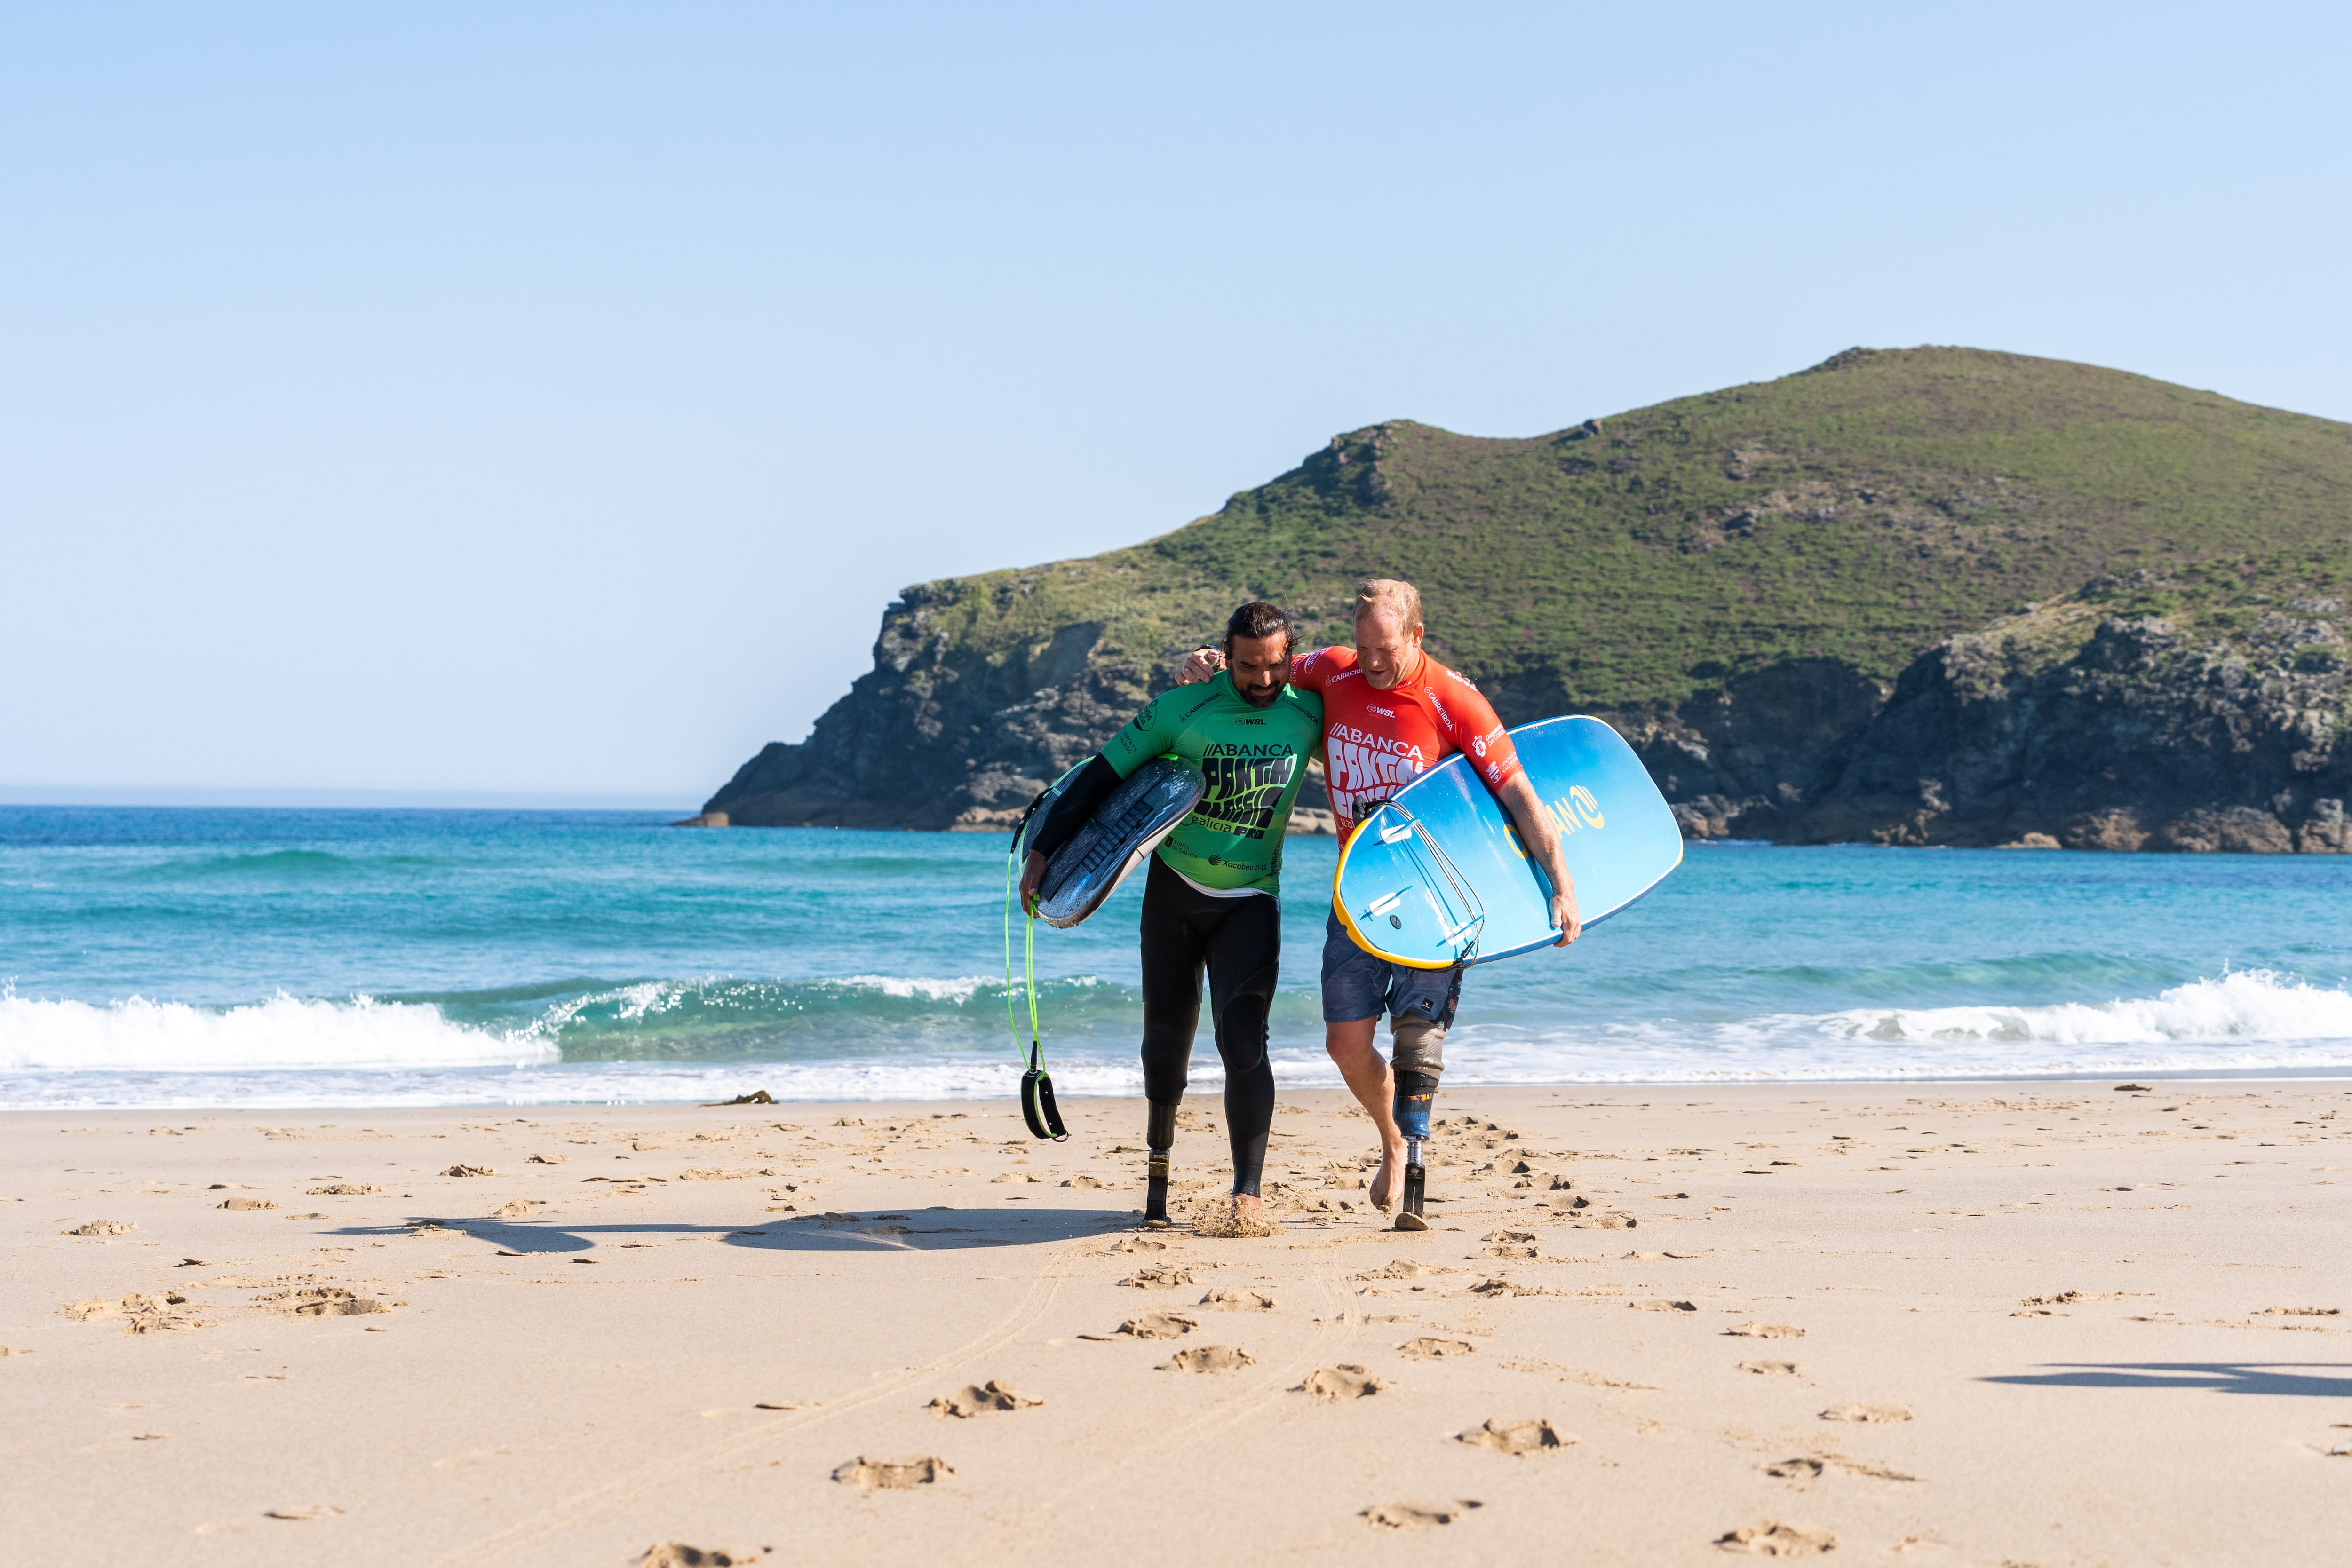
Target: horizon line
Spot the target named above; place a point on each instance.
(347, 798)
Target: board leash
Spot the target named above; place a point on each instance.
(1037, 1107)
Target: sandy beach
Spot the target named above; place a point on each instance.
(1968, 1324)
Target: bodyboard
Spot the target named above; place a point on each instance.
(1437, 876)
(1144, 809)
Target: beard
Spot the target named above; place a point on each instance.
(1265, 697)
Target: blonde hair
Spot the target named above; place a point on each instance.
(1390, 593)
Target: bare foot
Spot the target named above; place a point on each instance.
(1383, 1188)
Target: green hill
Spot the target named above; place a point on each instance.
(1826, 529)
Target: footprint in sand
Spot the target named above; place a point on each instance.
(1426, 1348)
(1158, 1279)
(1771, 1368)
(1416, 1516)
(1232, 1222)
(247, 1203)
(1342, 1382)
(1402, 1268)
(304, 1511)
(340, 1189)
(323, 1302)
(1803, 1469)
(520, 1207)
(1153, 1325)
(677, 1554)
(980, 1399)
(1084, 1181)
(1515, 1436)
(101, 1227)
(1135, 1244)
(470, 1171)
(1764, 1331)
(1774, 1540)
(1238, 1302)
(892, 1475)
(1664, 1306)
(1209, 1358)
(1867, 1412)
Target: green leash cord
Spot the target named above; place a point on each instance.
(1037, 1107)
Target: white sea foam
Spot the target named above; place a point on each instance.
(2252, 1021)
(287, 1052)
(284, 1032)
(2249, 1005)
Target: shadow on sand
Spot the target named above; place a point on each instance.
(2220, 1377)
(887, 1230)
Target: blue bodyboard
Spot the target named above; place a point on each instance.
(1437, 876)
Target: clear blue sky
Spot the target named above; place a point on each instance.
(548, 397)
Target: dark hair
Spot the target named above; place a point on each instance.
(1256, 618)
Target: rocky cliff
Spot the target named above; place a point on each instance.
(1929, 596)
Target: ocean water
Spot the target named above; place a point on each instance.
(279, 958)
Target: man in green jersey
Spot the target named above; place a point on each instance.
(1210, 898)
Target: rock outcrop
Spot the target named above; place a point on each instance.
(1930, 596)
(2069, 727)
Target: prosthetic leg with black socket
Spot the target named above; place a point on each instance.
(1420, 1057)
(1414, 1093)
(1162, 1137)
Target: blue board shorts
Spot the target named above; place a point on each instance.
(1358, 986)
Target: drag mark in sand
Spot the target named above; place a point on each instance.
(1416, 1516)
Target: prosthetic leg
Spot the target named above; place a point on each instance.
(1420, 1057)
(1162, 1137)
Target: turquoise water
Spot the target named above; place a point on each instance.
(195, 957)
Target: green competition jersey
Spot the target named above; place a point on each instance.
(1255, 759)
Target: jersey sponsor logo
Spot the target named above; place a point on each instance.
(1371, 740)
(1478, 746)
(1383, 712)
(1150, 711)
(1359, 771)
(1246, 785)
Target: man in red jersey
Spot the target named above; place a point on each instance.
(1391, 713)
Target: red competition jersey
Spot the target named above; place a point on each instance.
(1376, 742)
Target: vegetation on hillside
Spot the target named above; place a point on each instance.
(1859, 511)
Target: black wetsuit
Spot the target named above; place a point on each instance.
(1238, 940)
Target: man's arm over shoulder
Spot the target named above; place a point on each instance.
(1312, 671)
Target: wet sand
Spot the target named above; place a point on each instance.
(1965, 1324)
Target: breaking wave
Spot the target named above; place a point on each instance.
(882, 1037)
